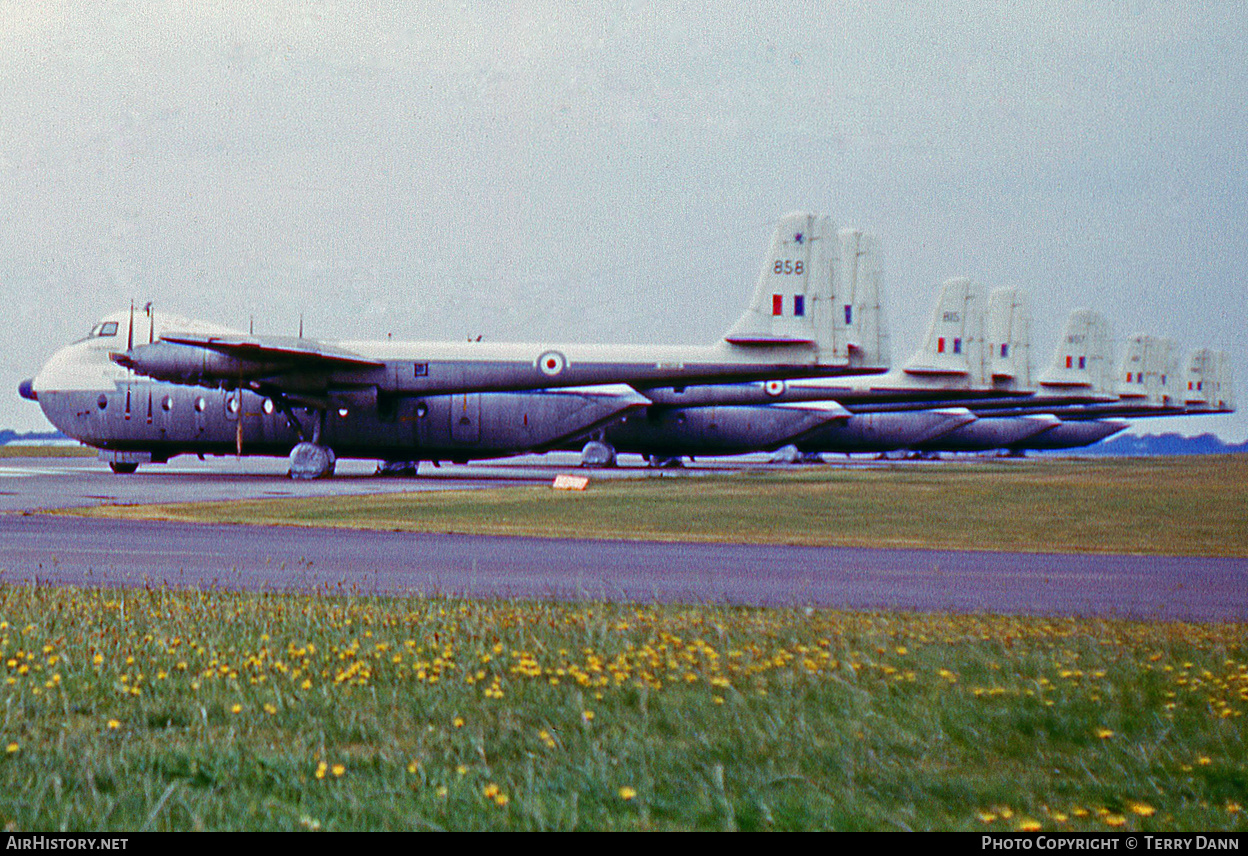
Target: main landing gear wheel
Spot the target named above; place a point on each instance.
(122, 468)
(311, 461)
(398, 468)
(597, 454)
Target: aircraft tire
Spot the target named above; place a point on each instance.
(406, 469)
(310, 461)
(122, 468)
(597, 455)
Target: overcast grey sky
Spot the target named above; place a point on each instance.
(606, 171)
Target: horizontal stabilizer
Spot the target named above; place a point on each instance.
(766, 341)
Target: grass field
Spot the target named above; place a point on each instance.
(155, 709)
(1173, 506)
(161, 709)
(18, 450)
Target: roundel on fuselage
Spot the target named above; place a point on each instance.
(551, 363)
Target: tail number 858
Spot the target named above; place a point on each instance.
(789, 266)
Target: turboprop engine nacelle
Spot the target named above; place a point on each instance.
(190, 366)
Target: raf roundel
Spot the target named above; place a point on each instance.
(773, 387)
(551, 363)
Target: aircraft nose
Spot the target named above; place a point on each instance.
(26, 389)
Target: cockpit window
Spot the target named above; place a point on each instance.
(107, 328)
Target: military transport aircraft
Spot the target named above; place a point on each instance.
(196, 387)
(968, 388)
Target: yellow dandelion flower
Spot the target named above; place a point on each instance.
(986, 817)
(1204, 761)
(491, 790)
(11, 748)
(338, 770)
(238, 708)
(587, 715)
(1115, 819)
(114, 724)
(1028, 825)
(501, 800)
(1143, 809)
(1104, 733)
(458, 722)
(627, 793)
(1234, 808)
(320, 769)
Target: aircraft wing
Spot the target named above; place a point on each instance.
(306, 353)
(208, 359)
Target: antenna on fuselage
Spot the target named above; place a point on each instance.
(130, 332)
(300, 325)
(151, 322)
(251, 326)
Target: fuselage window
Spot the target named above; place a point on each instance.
(200, 404)
(108, 328)
(102, 401)
(231, 403)
(268, 405)
(166, 403)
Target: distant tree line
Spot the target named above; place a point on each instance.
(8, 435)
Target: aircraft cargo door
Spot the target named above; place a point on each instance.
(466, 418)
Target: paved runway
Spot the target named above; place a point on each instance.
(37, 483)
(66, 550)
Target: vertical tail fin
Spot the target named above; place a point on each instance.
(1223, 399)
(821, 288)
(1200, 379)
(1149, 373)
(1007, 333)
(1208, 382)
(1084, 358)
(793, 297)
(954, 343)
(858, 316)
